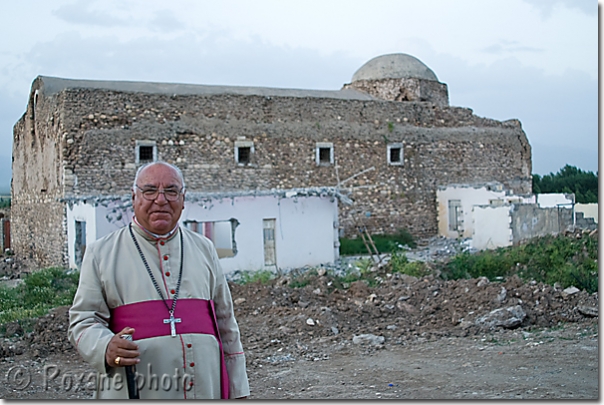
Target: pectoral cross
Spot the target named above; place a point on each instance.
(172, 321)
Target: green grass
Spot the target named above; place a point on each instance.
(259, 276)
(40, 291)
(383, 243)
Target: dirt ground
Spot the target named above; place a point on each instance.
(407, 338)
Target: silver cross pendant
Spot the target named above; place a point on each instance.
(172, 322)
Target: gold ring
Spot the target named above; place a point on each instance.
(117, 360)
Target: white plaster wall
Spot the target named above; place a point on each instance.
(588, 210)
(491, 227)
(469, 196)
(304, 228)
(109, 220)
(552, 200)
(304, 232)
(97, 224)
(80, 212)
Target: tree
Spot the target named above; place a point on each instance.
(569, 179)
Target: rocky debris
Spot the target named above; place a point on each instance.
(508, 318)
(398, 310)
(10, 348)
(438, 248)
(13, 329)
(588, 311)
(368, 339)
(281, 321)
(12, 267)
(49, 334)
(570, 290)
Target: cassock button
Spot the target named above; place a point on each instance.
(189, 345)
(192, 364)
(191, 384)
(161, 242)
(166, 257)
(172, 291)
(168, 273)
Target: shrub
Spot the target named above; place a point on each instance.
(568, 260)
(259, 276)
(399, 263)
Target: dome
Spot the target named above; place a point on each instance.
(394, 66)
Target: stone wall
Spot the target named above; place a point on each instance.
(95, 133)
(530, 221)
(37, 215)
(405, 89)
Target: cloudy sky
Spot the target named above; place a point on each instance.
(534, 60)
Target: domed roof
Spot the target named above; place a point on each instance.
(394, 66)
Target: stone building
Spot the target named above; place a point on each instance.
(386, 141)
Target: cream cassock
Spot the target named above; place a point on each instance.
(185, 366)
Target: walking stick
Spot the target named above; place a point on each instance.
(131, 376)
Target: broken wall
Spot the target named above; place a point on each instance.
(37, 214)
(491, 227)
(305, 227)
(530, 221)
(588, 210)
(461, 224)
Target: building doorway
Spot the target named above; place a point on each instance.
(80, 242)
(270, 252)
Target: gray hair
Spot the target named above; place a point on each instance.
(161, 162)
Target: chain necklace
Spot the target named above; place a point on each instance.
(170, 320)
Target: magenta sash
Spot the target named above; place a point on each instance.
(147, 317)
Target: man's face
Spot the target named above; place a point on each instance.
(160, 215)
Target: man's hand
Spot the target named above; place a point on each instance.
(121, 352)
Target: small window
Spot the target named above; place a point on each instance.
(395, 154)
(244, 151)
(324, 153)
(243, 155)
(146, 152)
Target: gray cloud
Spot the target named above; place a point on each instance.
(81, 13)
(555, 111)
(510, 47)
(211, 60)
(165, 21)
(546, 7)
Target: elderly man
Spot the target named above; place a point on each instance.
(163, 285)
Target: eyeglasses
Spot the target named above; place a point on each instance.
(151, 193)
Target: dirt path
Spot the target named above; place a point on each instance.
(546, 364)
(560, 364)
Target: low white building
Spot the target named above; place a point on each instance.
(273, 229)
(493, 217)
(456, 203)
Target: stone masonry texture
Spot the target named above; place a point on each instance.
(81, 142)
